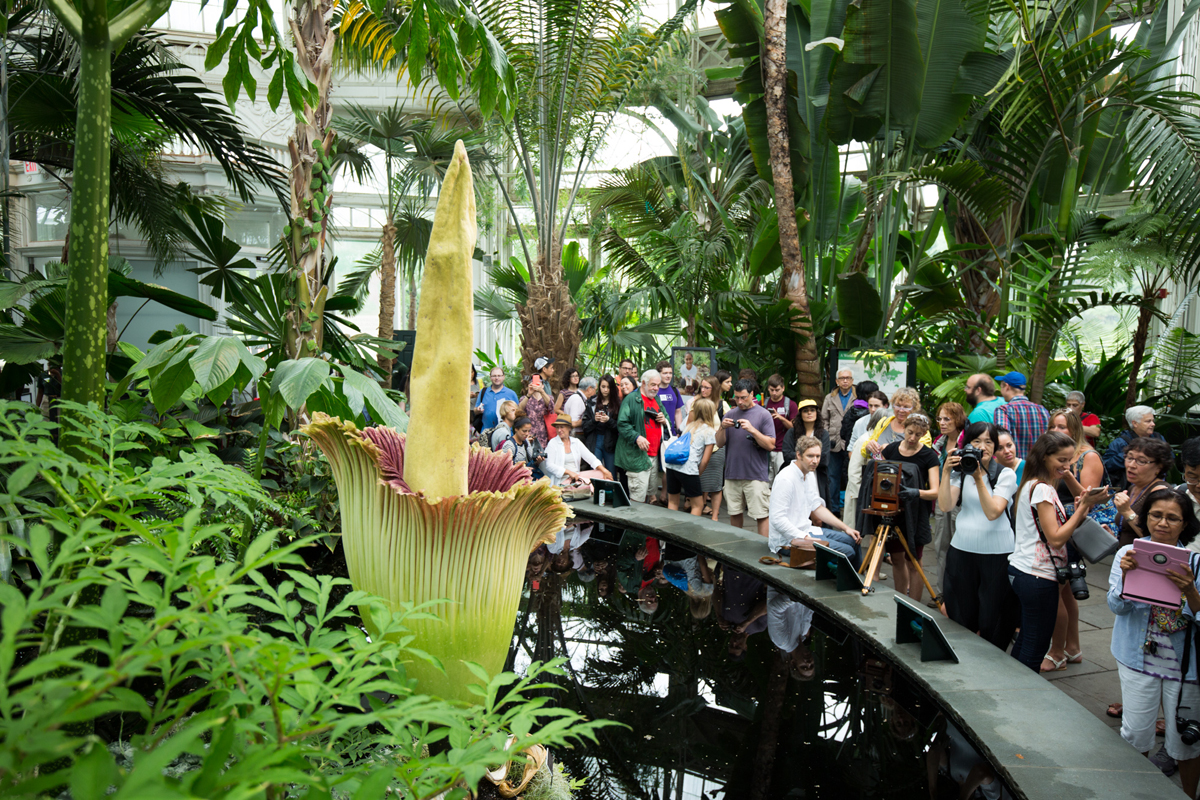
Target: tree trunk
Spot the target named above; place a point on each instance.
(1139, 351)
(87, 278)
(795, 288)
(311, 181)
(387, 297)
(549, 319)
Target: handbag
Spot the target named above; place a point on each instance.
(1094, 541)
(799, 556)
(679, 449)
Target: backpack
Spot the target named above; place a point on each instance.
(485, 438)
(678, 451)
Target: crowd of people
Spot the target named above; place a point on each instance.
(997, 489)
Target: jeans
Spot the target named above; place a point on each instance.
(606, 458)
(1039, 610)
(842, 542)
(837, 478)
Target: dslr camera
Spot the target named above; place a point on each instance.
(970, 456)
(1075, 574)
(1189, 729)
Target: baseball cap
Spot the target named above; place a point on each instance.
(806, 404)
(1014, 379)
(542, 361)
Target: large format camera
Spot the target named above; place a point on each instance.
(885, 487)
(1075, 574)
(970, 456)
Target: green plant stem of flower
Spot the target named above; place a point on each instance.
(87, 284)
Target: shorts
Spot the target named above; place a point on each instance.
(753, 497)
(642, 484)
(1141, 696)
(682, 483)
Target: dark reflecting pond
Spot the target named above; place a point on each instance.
(729, 689)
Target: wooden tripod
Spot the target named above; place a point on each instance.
(870, 563)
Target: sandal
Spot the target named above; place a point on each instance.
(1059, 664)
(1075, 659)
(1114, 710)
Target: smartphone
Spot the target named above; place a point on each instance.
(536, 380)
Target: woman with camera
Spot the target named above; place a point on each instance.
(600, 421)
(913, 449)
(1088, 470)
(975, 583)
(951, 420)
(1038, 562)
(1150, 642)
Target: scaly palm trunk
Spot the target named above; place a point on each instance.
(387, 296)
(795, 288)
(312, 188)
(549, 319)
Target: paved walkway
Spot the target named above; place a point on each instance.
(1095, 682)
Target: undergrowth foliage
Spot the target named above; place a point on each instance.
(134, 661)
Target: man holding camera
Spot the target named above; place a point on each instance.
(798, 512)
(748, 457)
(639, 435)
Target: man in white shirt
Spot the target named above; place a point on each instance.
(576, 403)
(798, 512)
(788, 624)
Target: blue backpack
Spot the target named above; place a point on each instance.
(678, 451)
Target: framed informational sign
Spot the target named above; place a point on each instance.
(891, 369)
(692, 364)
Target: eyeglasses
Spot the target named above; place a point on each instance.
(1155, 516)
(1141, 462)
(902, 408)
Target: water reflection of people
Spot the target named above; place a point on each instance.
(694, 577)
(564, 550)
(956, 769)
(789, 623)
(740, 602)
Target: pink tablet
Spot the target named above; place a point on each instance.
(1149, 582)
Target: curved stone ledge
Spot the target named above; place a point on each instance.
(1045, 745)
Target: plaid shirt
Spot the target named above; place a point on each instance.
(1025, 419)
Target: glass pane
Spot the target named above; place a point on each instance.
(51, 213)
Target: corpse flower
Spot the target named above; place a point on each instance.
(470, 550)
(425, 516)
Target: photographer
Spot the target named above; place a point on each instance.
(523, 448)
(1040, 549)
(976, 588)
(798, 512)
(1155, 659)
(913, 449)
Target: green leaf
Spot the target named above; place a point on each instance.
(859, 305)
(296, 380)
(121, 286)
(169, 384)
(215, 361)
(93, 774)
(21, 477)
(383, 409)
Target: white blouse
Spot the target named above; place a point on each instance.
(558, 461)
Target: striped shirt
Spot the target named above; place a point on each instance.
(1025, 419)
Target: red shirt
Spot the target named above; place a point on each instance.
(653, 431)
(1088, 420)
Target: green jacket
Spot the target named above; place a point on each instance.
(631, 423)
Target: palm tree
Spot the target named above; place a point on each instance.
(683, 227)
(1081, 115)
(157, 98)
(575, 66)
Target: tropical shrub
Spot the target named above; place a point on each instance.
(133, 660)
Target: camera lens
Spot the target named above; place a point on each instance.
(1189, 730)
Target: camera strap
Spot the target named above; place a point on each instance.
(1037, 523)
(1188, 635)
